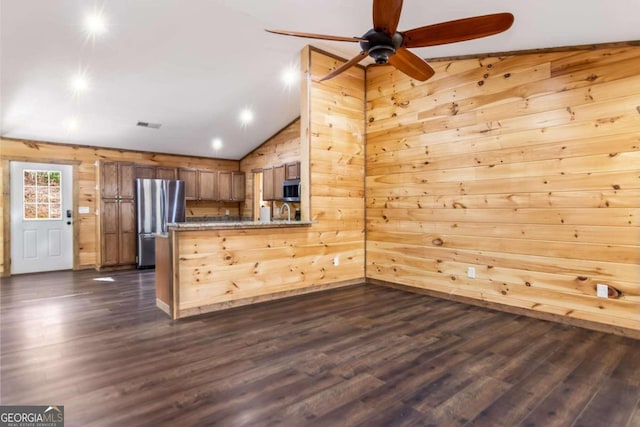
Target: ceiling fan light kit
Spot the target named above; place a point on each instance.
(385, 44)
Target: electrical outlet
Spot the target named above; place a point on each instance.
(471, 272)
(336, 260)
(602, 291)
(226, 212)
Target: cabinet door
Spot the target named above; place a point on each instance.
(292, 170)
(207, 188)
(238, 186)
(224, 186)
(109, 235)
(189, 176)
(127, 232)
(166, 173)
(109, 180)
(278, 180)
(267, 184)
(117, 180)
(145, 172)
(126, 180)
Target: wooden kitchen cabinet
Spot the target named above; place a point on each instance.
(207, 185)
(190, 178)
(238, 186)
(117, 227)
(231, 186)
(272, 180)
(118, 232)
(145, 172)
(117, 179)
(166, 173)
(278, 180)
(292, 171)
(199, 184)
(267, 184)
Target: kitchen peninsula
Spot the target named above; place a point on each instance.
(209, 266)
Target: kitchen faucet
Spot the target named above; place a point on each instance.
(286, 205)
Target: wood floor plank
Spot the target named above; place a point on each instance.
(612, 405)
(511, 408)
(362, 355)
(567, 401)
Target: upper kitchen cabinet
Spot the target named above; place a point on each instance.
(166, 173)
(117, 180)
(207, 185)
(267, 184)
(145, 172)
(272, 181)
(238, 186)
(292, 171)
(231, 186)
(190, 178)
(278, 180)
(199, 184)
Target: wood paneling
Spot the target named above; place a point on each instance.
(85, 158)
(224, 266)
(523, 167)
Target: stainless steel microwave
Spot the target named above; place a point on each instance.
(291, 190)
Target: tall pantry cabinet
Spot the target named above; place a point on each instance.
(117, 226)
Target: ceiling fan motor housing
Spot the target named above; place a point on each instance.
(380, 46)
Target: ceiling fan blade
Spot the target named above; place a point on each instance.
(458, 30)
(411, 64)
(353, 61)
(386, 14)
(317, 36)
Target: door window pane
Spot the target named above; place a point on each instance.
(41, 195)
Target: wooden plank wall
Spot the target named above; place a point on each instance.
(284, 147)
(236, 266)
(86, 158)
(525, 167)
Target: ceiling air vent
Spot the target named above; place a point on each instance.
(149, 125)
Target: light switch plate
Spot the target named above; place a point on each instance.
(471, 272)
(602, 291)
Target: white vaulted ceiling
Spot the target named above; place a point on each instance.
(192, 66)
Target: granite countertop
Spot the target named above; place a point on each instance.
(221, 225)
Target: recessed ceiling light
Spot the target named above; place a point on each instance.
(216, 143)
(79, 83)
(72, 124)
(95, 24)
(246, 116)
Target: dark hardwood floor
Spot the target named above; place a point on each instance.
(362, 355)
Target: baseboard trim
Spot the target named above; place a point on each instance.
(163, 306)
(586, 324)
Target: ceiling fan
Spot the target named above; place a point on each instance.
(387, 45)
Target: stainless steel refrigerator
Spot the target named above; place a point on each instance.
(158, 203)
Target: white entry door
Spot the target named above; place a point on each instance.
(41, 217)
